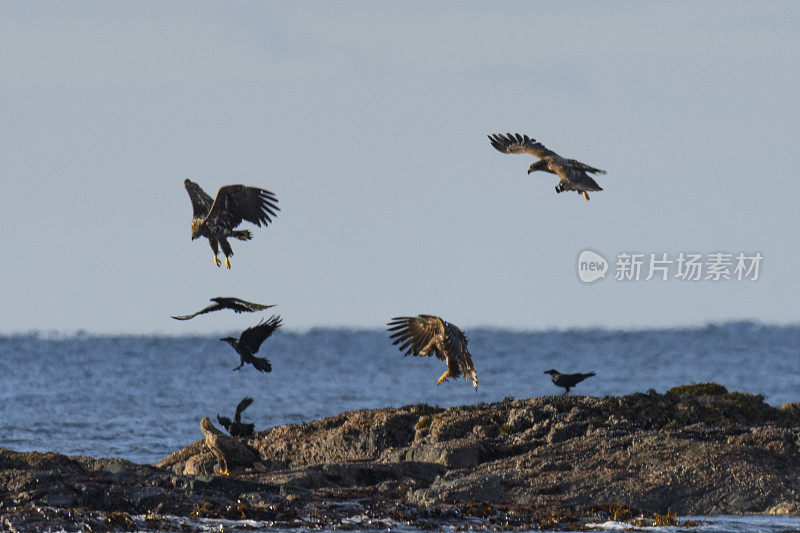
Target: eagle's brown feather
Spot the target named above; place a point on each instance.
(430, 335)
(574, 174)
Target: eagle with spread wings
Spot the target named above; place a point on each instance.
(573, 173)
(216, 219)
(430, 335)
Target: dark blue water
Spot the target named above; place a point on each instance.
(142, 398)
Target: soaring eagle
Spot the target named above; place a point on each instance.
(223, 302)
(236, 427)
(229, 451)
(429, 334)
(573, 173)
(250, 341)
(216, 219)
(567, 380)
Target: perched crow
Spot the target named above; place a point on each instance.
(223, 302)
(236, 428)
(250, 341)
(567, 380)
(573, 173)
(429, 335)
(216, 219)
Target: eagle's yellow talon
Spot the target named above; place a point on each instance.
(585, 195)
(227, 263)
(217, 261)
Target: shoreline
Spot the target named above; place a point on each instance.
(695, 450)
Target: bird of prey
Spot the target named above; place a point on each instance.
(567, 380)
(216, 219)
(223, 302)
(229, 451)
(250, 341)
(236, 427)
(573, 173)
(428, 335)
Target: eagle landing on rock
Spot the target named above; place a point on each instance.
(430, 335)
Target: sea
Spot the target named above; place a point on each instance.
(142, 397)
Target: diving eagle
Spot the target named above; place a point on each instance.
(250, 341)
(229, 451)
(222, 302)
(567, 380)
(216, 219)
(429, 334)
(236, 427)
(573, 173)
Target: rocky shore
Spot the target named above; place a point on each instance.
(539, 462)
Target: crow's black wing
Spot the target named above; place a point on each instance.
(239, 305)
(252, 338)
(225, 422)
(210, 308)
(244, 404)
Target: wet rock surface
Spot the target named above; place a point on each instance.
(695, 450)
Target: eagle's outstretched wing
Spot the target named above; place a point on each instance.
(514, 143)
(244, 404)
(519, 144)
(201, 202)
(251, 338)
(420, 335)
(235, 203)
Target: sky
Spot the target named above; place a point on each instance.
(369, 120)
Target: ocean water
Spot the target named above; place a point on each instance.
(142, 397)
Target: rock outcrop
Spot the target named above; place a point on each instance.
(694, 450)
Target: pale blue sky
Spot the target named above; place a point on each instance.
(369, 122)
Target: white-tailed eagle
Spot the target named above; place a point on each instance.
(216, 219)
(573, 173)
(430, 335)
